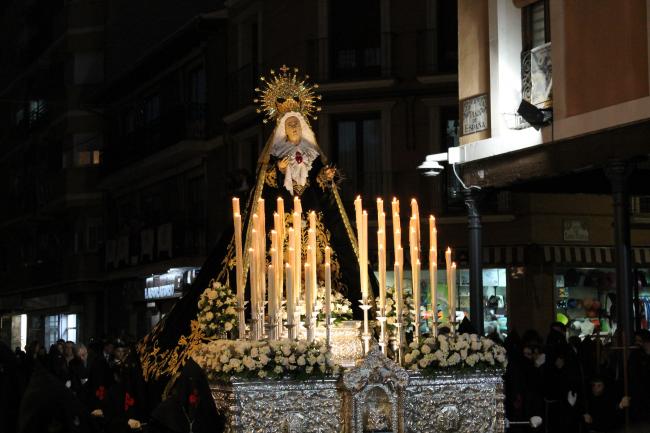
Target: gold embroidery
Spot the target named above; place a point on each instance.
(323, 180)
(272, 177)
(298, 190)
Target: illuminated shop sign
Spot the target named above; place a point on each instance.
(169, 284)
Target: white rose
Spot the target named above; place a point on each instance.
(423, 363)
(415, 353)
(463, 354)
(301, 361)
(322, 368)
(426, 349)
(292, 359)
(278, 369)
(309, 369)
(209, 316)
(212, 294)
(408, 358)
(320, 359)
(264, 359)
(413, 345)
(286, 350)
(224, 359)
(261, 374)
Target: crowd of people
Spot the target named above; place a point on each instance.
(573, 385)
(95, 388)
(577, 385)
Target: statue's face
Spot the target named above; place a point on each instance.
(293, 129)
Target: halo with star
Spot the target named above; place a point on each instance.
(284, 91)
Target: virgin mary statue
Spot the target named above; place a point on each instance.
(290, 165)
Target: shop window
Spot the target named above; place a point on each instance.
(19, 331)
(60, 326)
(358, 153)
(355, 52)
(87, 149)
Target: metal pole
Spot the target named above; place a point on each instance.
(618, 173)
(475, 260)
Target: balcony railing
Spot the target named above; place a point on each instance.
(241, 86)
(434, 57)
(182, 122)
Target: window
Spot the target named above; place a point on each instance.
(196, 86)
(60, 326)
(535, 26)
(437, 44)
(37, 111)
(358, 153)
(355, 52)
(87, 149)
(536, 67)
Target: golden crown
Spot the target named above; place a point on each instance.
(285, 91)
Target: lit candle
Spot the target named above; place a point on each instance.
(453, 291)
(328, 284)
(290, 299)
(312, 257)
(433, 267)
(272, 302)
(449, 288)
(398, 293)
(309, 307)
(253, 280)
(239, 259)
(235, 206)
(415, 213)
(358, 212)
(297, 247)
(364, 264)
(281, 234)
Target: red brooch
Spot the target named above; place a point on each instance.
(128, 401)
(299, 157)
(194, 398)
(100, 393)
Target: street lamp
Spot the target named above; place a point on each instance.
(432, 167)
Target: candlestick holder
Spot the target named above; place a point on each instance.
(381, 318)
(328, 330)
(399, 343)
(310, 325)
(291, 330)
(416, 327)
(366, 331)
(241, 319)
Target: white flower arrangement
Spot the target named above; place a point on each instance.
(461, 351)
(223, 359)
(217, 310)
(408, 309)
(341, 307)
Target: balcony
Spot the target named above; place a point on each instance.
(182, 122)
(433, 56)
(241, 86)
(349, 63)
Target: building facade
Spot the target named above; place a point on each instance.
(573, 154)
(166, 132)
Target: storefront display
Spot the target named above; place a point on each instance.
(495, 314)
(585, 299)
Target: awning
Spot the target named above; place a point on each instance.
(592, 255)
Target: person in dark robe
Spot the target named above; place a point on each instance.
(188, 407)
(602, 411)
(639, 374)
(125, 407)
(48, 406)
(291, 165)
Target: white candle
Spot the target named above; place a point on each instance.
(253, 279)
(312, 256)
(453, 290)
(309, 307)
(297, 265)
(273, 309)
(433, 267)
(290, 299)
(328, 284)
(364, 264)
(450, 300)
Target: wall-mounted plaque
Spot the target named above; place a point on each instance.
(475, 114)
(575, 230)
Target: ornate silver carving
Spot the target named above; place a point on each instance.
(463, 402)
(378, 395)
(347, 346)
(280, 406)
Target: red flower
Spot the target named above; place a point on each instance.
(128, 401)
(194, 398)
(100, 393)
